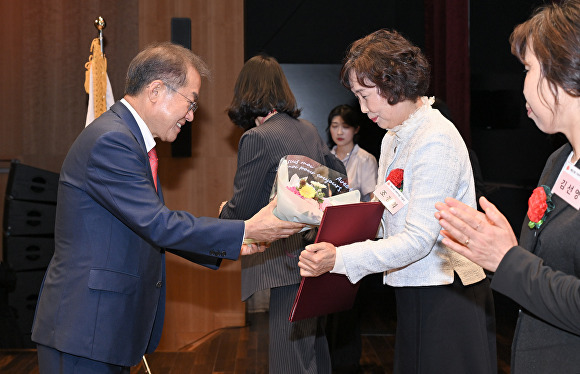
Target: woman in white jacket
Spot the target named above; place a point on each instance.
(445, 321)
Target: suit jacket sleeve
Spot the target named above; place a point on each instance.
(551, 295)
(118, 179)
(251, 189)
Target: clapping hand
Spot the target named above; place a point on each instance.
(482, 238)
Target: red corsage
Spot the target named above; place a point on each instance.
(396, 178)
(539, 205)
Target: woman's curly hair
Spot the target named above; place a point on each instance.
(390, 62)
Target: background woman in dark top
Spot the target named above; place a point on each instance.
(265, 107)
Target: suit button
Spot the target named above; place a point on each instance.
(159, 284)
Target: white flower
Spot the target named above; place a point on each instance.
(317, 185)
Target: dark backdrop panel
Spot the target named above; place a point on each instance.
(511, 149)
(491, 23)
(319, 32)
(181, 34)
(318, 90)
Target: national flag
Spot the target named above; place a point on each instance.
(97, 83)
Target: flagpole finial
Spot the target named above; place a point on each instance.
(100, 24)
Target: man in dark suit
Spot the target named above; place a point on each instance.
(102, 301)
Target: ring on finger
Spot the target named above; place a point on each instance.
(466, 242)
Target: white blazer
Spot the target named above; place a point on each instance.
(436, 165)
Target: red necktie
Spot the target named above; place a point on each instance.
(153, 162)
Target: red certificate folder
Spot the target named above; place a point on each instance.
(330, 293)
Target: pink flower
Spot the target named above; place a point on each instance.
(294, 190)
(324, 204)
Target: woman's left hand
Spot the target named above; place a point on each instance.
(482, 238)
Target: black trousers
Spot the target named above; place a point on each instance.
(445, 329)
(52, 361)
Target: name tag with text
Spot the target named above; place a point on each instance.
(567, 185)
(391, 197)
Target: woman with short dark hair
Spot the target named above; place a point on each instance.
(445, 320)
(265, 107)
(542, 272)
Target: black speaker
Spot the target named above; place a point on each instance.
(31, 184)
(28, 244)
(28, 253)
(23, 301)
(10, 335)
(181, 34)
(28, 218)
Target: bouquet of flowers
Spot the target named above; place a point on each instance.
(305, 188)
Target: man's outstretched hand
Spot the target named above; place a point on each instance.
(265, 227)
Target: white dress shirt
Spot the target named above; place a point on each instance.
(147, 136)
(361, 169)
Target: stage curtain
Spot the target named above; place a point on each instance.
(447, 48)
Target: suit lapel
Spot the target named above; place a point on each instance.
(529, 237)
(123, 112)
(550, 179)
(127, 117)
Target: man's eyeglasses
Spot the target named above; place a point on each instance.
(192, 104)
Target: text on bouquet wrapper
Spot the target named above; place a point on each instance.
(302, 165)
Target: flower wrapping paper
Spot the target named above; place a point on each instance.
(305, 188)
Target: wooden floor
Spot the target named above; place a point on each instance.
(245, 349)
